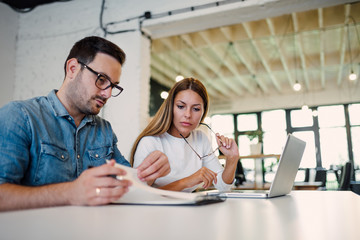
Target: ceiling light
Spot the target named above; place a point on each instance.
(315, 113)
(305, 107)
(164, 95)
(179, 78)
(297, 86)
(352, 76)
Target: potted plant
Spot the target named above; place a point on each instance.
(255, 146)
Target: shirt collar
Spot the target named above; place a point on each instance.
(60, 110)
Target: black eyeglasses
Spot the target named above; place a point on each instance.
(103, 83)
(201, 157)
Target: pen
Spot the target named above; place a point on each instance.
(113, 176)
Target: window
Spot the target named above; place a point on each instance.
(274, 127)
(354, 114)
(301, 118)
(355, 137)
(354, 117)
(331, 116)
(302, 126)
(333, 139)
(332, 135)
(246, 122)
(309, 157)
(224, 125)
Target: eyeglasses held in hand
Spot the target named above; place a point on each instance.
(205, 156)
(102, 82)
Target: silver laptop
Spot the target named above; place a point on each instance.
(285, 175)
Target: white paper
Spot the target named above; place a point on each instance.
(140, 193)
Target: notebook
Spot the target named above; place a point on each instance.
(284, 177)
(141, 194)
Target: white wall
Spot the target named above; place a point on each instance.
(8, 30)
(45, 35)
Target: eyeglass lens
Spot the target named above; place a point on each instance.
(104, 83)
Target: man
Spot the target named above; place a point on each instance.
(54, 149)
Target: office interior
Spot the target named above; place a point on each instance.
(270, 67)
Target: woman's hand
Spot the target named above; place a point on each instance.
(228, 147)
(155, 165)
(203, 175)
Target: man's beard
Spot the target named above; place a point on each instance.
(94, 110)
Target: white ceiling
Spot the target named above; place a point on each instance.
(265, 56)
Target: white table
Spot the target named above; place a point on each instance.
(302, 215)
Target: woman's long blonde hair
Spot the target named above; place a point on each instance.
(162, 120)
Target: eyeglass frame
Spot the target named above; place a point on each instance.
(112, 85)
(201, 158)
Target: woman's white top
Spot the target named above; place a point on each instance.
(183, 161)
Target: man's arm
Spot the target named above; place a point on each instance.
(94, 187)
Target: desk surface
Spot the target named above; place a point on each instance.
(300, 215)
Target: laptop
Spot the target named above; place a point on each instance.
(284, 177)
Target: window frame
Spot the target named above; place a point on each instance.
(315, 129)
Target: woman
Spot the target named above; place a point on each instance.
(173, 132)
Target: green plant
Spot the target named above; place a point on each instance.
(255, 134)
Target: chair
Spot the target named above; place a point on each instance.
(320, 176)
(345, 176)
(239, 174)
(307, 175)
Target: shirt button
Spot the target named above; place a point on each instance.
(96, 155)
(78, 156)
(69, 118)
(62, 156)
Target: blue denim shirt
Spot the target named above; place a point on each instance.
(40, 143)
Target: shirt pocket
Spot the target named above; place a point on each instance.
(98, 156)
(54, 165)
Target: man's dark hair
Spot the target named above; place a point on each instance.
(86, 49)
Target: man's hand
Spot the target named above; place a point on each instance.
(155, 165)
(97, 186)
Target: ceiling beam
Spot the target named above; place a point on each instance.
(262, 56)
(232, 90)
(194, 59)
(222, 56)
(276, 43)
(163, 66)
(299, 46)
(343, 45)
(322, 51)
(160, 78)
(236, 51)
(233, 12)
(226, 31)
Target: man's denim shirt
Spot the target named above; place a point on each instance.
(40, 143)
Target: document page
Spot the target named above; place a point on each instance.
(140, 193)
